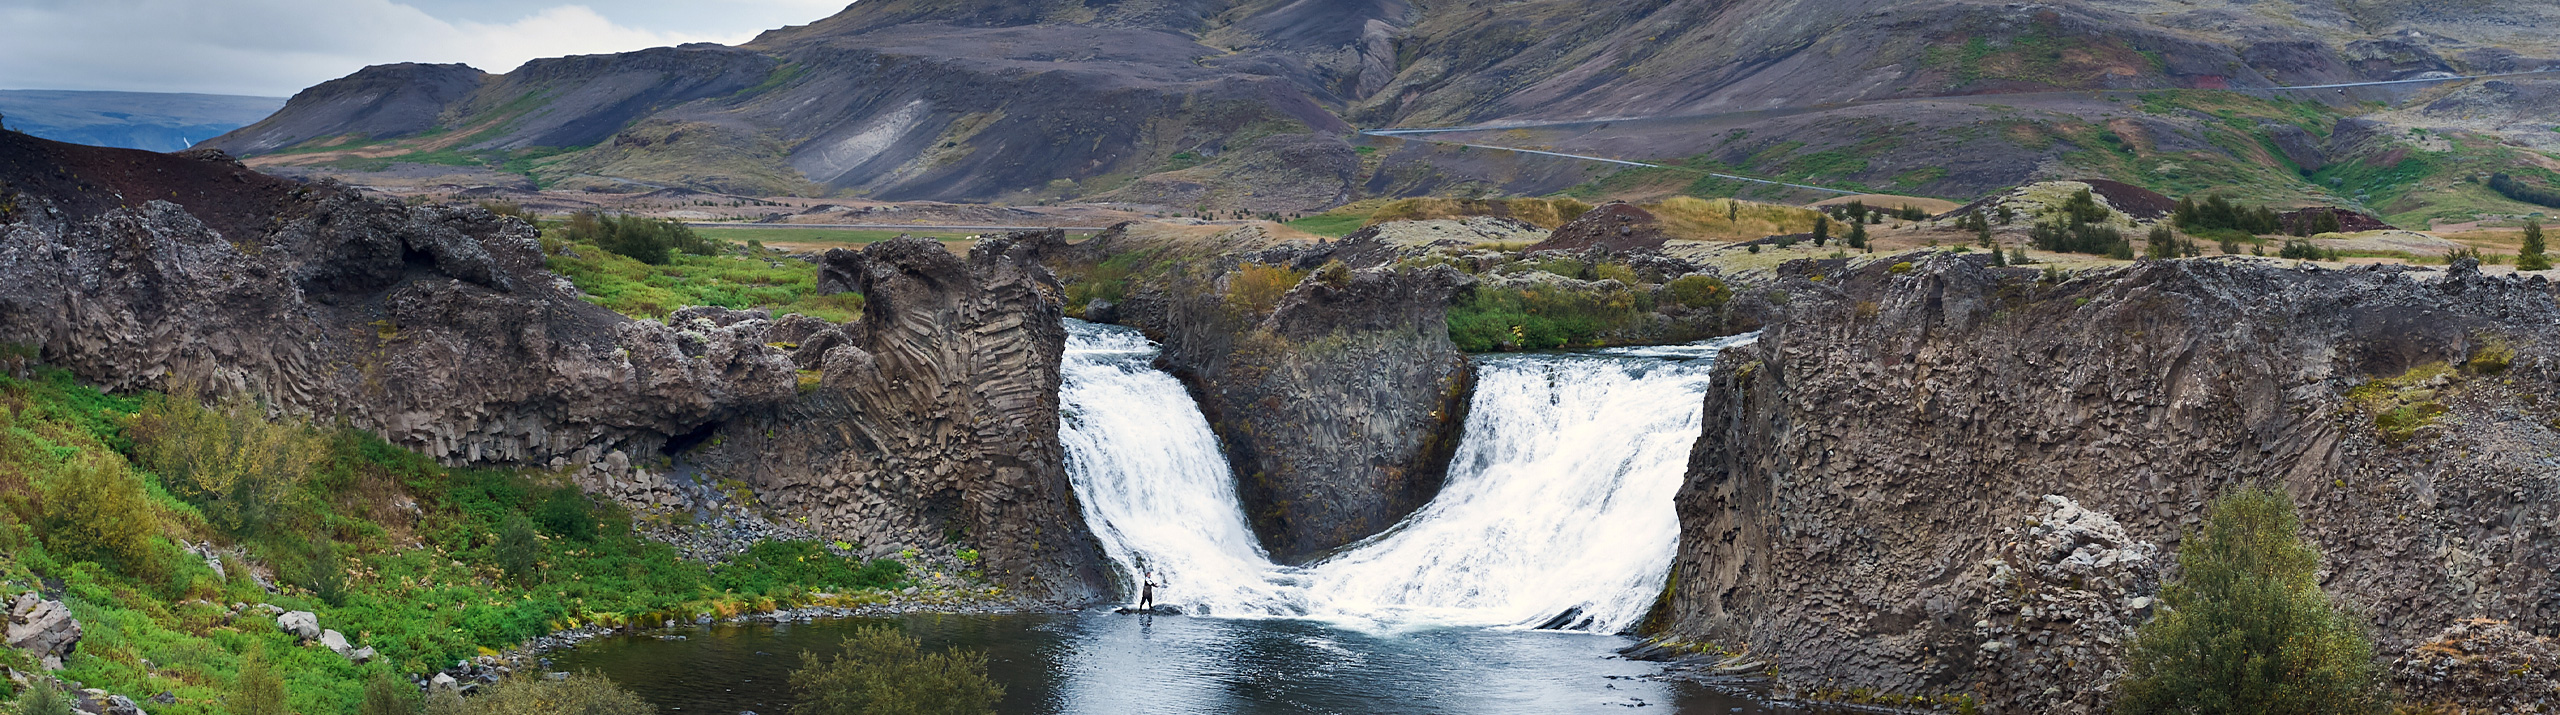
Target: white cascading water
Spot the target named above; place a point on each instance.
(1557, 511)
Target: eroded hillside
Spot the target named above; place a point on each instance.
(1227, 105)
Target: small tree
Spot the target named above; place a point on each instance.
(260, 690)
(2246, 628)
(518, 551)
(2532, 257)
(2161, 243)
(386, 694)
(884, 672)
(1821, 230)
(1857, 235)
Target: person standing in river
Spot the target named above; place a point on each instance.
(1147, 592)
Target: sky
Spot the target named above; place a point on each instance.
(275, 48)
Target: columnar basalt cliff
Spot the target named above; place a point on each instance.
(1339, 404)
(440, 329)
(1942, 477)
(935, 420)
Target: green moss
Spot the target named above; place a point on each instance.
(2400, 406)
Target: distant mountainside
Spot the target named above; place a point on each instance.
(1247, 104)
(130, 120)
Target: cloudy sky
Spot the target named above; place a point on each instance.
(277, 47)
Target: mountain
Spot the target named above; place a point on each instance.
(130, 120)
(1248, 104)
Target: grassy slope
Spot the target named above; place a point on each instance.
(2427, 177)
(739, 279)
(398, 553)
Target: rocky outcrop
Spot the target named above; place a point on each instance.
(1846, 507)
(935, 419)
(42, 628)
(1612, 226)
(376, 103)
(1339, 406)
(2480, 666)
(440, 329)
(437, 327)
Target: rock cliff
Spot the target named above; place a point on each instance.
(935, 420)
(440, 329)
(1857, 506)
(1339, 403)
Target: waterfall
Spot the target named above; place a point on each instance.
(1557, 511)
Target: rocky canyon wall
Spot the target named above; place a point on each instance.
(440, 329)
(1941, 477)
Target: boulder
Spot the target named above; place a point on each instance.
(42, 628)
(94, 700)
(302, 624)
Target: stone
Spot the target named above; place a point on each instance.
(304, 625)
(42, 628)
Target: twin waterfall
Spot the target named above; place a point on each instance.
(1557, 511)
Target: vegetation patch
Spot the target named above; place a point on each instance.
(2246, 628)
(2401, 406)
(1537, 318)
(426, 564)
(1543, 213)
(730, 277)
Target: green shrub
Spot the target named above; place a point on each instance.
(567, 513)
(96, 509)
(258, 690)
(578, 694)
(43, 699)
(1699, 291)
(519, 551)
(2216, 212)
(225, 458)
(1254, 289)
(643, 239)
(2074, 237)
(387, 694)
(884, 672)
(2303, 250)
(2246, 628)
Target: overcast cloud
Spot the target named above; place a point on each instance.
(277, 47)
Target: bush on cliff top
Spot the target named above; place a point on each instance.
(2246, 628)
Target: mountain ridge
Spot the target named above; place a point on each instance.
(1176, 104)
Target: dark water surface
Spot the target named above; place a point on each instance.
(1099, 663)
